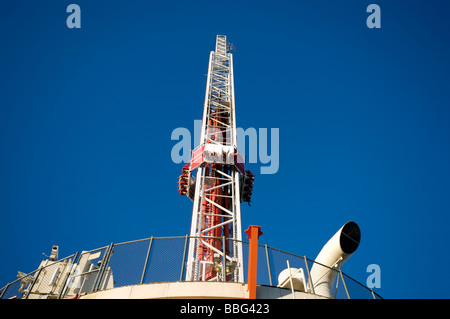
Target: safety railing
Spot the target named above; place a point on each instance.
(157, 259)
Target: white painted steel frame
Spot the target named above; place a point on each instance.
(219, 95)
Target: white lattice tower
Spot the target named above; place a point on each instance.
(215, 248)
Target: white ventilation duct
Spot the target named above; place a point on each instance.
(335, 252)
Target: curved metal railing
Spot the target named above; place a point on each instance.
(154, 259)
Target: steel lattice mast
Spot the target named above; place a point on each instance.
(221, 182)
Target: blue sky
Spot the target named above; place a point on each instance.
(86, 117)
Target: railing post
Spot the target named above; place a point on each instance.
(373, 294)
(72, 268)
(184, 258)
(290, 279)
(224, 261)
(253, 233)
(311, 284)
(345, 285)
(4, 290)
(268, 265)
(104, 264)
(32, 284)
(146, 259)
